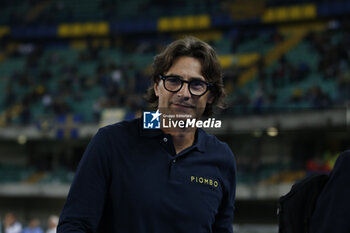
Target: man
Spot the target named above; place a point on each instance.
(52, 223)
(33, 227)
(11, 224)
(167, 180)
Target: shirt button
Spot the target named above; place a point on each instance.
(174, 160)
(165, 139)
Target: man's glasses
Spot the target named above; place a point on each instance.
(174, 83)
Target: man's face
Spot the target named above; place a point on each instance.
(9, 219)
(182, 102)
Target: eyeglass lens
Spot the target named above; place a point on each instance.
(174, 84)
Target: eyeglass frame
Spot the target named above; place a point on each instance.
(164, 77)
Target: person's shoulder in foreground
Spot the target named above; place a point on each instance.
(332, 213)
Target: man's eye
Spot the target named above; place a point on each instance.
(197, 84)
(173, 80)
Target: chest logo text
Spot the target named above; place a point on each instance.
(202, 180)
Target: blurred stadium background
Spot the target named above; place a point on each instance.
(68, 67)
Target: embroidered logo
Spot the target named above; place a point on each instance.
(204, 180)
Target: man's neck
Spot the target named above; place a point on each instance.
(182, 138)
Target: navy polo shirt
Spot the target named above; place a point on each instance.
(130, 180)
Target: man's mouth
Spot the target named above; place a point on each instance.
(182, 105)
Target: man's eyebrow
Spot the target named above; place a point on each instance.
(191, 78)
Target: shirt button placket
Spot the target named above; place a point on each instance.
(173, 161)
(172, 174)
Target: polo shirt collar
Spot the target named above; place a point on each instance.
(199, 142)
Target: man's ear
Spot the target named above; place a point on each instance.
(155, 87)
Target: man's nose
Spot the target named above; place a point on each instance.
(184, 91)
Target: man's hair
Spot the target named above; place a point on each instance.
(211, 69)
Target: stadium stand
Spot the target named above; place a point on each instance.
(266, 71)
(296, 79)
(66, 65)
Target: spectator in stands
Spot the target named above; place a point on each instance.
(93, 50)
(25, 113)
(52, 224)
(343, 86)
(103, 78)
(11, 224)
(297, 95)
(97, 108)
(316, 165)
(34, 227)
(279, 75)
(318, 98)
(258, 101)
(298, 73)
(10, 95)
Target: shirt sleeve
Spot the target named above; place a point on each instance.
(224, 218)
(86, 199)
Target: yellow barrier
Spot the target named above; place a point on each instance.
(297, 27)
(248, 59)
(4, 31)
(241, 60)
(226, 60)
(183, 23)
(83, 29)
(290, 13)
